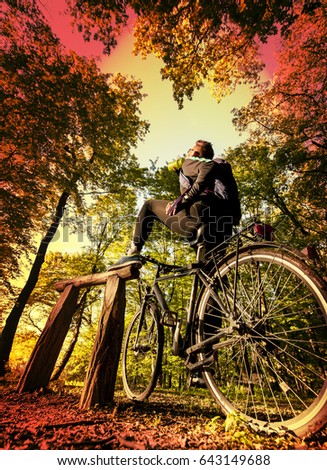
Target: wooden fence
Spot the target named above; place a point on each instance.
(101, 375)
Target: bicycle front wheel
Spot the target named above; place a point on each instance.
(142, 352)
(269, 363)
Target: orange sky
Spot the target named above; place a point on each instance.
(172, 131)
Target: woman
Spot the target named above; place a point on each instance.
(209, 198)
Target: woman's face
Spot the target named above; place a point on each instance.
(192, 152)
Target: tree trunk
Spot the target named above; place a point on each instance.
(9, 330)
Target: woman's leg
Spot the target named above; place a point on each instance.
(184, 222)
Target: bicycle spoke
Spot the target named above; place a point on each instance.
(142, 352)
(273, 366)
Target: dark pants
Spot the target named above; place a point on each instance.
(185, 222)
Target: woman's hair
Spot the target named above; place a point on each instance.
(204, 148)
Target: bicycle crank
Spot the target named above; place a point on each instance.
(177, 339)
(193, 366)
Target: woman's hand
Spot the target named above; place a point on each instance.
(170, 209)
(173, 207)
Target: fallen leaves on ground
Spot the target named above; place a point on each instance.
(53, 420)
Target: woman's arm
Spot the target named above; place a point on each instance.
(204, 179)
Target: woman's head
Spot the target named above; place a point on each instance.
(203, 149)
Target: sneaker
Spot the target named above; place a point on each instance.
(127, 260)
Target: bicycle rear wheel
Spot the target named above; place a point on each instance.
(270, 360)
(142, 352)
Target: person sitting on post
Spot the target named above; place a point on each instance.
(209, 197)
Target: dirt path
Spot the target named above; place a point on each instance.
(167, 421)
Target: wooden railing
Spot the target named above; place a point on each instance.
(101, 375)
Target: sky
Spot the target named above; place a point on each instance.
(172, 131)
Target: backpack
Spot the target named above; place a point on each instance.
(225, 187)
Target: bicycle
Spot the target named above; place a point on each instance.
(256, 329)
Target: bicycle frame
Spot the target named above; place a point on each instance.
(200, 279)
(194, 270)
(255, 330)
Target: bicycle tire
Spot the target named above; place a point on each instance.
(270, 367)
(142, 352)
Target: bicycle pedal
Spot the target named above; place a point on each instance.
(196, 381)
(169, 318)
(203, 363)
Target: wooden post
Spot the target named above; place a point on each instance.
(100, 379)
(101, 375)
(39, 368)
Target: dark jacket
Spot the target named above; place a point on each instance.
(212, 182)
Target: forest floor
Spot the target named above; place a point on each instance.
(188, 420)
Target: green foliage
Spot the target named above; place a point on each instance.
(58, 266)
(76, 368)
(255, 173)
(23, 347)
(67, 126)
(241, 436)
(109, 224)
(162, 183)
(287, 123)
(217, 43)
